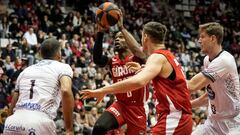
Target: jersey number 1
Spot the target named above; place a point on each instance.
(31, 89)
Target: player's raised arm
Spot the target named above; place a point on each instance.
(98, 57)
(67, 103)
(132, 44)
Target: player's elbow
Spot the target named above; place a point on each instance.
(140, 82)
(66, 92)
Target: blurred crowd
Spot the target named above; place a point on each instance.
(25, 24)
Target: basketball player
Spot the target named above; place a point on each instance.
(220, 77)
(173, 107)
(39, 90)
(129, 107)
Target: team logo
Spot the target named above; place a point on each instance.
(211, 93)
(32, 131)
(141, 132)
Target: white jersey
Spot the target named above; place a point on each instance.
(224, 92)
(38, 86)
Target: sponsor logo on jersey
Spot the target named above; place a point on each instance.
(115, 111)
(15, 128)
(114, 60)
(32, 131)
(30, 106)
(119, 71)
(141, 132)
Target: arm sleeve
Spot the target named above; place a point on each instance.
(98, 57)
(65, 70)
(217, 69)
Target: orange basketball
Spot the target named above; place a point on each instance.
(107, 14)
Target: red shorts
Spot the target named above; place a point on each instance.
(133, 116)
(174, 124)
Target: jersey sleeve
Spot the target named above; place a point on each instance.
(65, 70)
(216, 69)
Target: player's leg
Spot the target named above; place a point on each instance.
(106, 122)
(112, 118)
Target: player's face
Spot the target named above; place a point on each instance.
(119, 42)
(205, 41)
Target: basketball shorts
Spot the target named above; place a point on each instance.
(174, 123)
(26, 122)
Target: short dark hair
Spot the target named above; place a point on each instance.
(213, 28)
(49, 48)
(156, 31)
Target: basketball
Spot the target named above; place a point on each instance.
(107, 14)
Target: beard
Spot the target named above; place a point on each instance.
(119, 49)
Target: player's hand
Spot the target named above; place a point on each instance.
(92, 93)
(133, 66)
(120, 21)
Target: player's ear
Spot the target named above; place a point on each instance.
(145, 37)
(59, 55)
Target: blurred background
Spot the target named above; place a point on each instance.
(24, 24)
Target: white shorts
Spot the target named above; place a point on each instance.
(26, 122)
(218, 127)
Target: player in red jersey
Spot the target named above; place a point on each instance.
(173, 107)
(129, 107)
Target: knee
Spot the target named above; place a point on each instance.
(99, 128)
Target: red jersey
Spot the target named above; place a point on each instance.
(172, 93)
(120, 72)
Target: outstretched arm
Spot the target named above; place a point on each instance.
(132, 44)
(98, 57)
(198, 82)
(151, 70)
(201, 101)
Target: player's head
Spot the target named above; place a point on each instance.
(210, 34)
(120, 43)
(51, 49)
(153, 32)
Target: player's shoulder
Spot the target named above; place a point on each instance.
(224, 59)
(158, 57)
(61, 66)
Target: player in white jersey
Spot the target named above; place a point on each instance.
(39, 90)
(220, 77)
